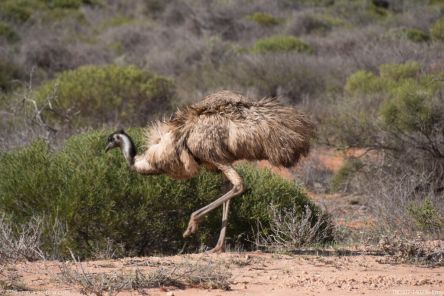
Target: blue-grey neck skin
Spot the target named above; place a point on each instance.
(128, 149)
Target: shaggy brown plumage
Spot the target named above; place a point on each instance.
(222, 128)
(225, 127)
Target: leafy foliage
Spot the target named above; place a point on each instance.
(15, 11)
(426, 216)
(98, 198)
(416, 35)
(8, 33)
(20, 11)
(437, 30)
(399, 113)
(264, 19)
(68, 4)
(8, 73)
(126, 93)
(400, 99)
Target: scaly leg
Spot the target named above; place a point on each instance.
(238, 189)
(220, 247)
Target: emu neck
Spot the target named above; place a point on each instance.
(128, 149)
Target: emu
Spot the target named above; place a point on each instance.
(222, 128)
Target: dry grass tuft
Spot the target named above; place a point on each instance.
(290, 230)
(10, 281)
(197, 275)
(21, 242)
(430, 253)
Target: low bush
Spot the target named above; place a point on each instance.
(291, 229)
(399, 71)
(426, 216)
(264, 19)
(437, 30)
(21, 11)
(398, 113)
(416, 35)
(98, 95)
(281, 43)
(68, 4)
(8, 33)
(341, 179)
(403, 250)
(399, 101)
(16, 11)
(20, 241)
(100, 200)
(9, 72)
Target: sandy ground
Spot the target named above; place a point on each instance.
(256, 274)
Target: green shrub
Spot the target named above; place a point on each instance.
(281, 43)
(402, 98)
(377, 10)
(8, 33)
(18, 11)
(99, 198)
(410, 108)
(68, 4)
(416, 35)
(364, 82)
(8, 73)
(437, 30)
(398, 72)
(399, 114)
(436, 2)
(426, 216)
(367, 83)
(341, 179)
(263, 19)
(111, 93)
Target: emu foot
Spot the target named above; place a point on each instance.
(192, 227)
(217, 249)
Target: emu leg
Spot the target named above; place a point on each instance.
(220, 247)
(238, 189)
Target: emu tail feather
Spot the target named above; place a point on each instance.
(225, 127)
(273, 132)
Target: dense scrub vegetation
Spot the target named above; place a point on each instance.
(93, 199)
(110, 93)
(369, 72)
(399, 112)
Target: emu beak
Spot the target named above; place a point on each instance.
(109, 146)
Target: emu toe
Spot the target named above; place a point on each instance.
(217, 249)
(192, 227)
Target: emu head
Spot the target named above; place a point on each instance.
(115, 140)
(124, 142)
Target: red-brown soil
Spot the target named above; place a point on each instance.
(258, 274)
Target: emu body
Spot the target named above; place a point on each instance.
(222, 128)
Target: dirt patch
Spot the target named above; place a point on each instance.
(255, 274)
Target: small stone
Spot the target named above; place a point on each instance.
(170, 293)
